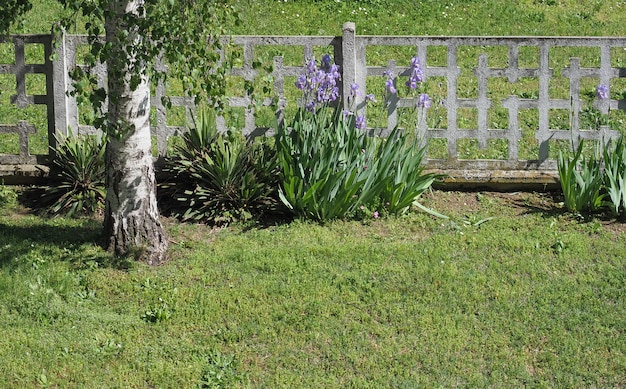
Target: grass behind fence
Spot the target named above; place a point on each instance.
(381, 17)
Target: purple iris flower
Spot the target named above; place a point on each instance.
(602, 92)
(423, 101)
(354, 90)
(391, 88)
(417, 74)
(360, 122)
(319, 85)
(301, 82)
(311, 66)
(326, 62)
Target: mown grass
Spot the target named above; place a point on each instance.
(509, 292)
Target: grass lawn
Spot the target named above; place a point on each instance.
(404, 17)
(509, 292)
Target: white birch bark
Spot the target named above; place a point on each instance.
(132, 223)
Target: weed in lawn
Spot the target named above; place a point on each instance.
(107, 346)
(8, 197)
(469, 221)
(157, 312)
(221, 371)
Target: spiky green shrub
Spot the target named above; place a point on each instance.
(615, 175)
(77, 183)
(581, 181)
(401, 170)
(324, 171)
(220, 178)
(330, 168)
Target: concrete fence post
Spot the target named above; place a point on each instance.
(354, 70)
(60, 74)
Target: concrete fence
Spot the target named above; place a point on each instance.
(525, 64)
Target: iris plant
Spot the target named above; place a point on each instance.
(330, 167)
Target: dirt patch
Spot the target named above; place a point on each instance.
(462, 203)
(451, 201)
(512, 203)
(614, 226)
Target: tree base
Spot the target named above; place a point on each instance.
(131, 221)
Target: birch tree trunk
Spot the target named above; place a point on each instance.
(132, 224)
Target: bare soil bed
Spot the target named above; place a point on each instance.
(461, 203)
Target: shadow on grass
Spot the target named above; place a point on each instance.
(544, 204)
(77, 242)
(551, 204)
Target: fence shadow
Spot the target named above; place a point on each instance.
(550, 204)
(544, 205)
